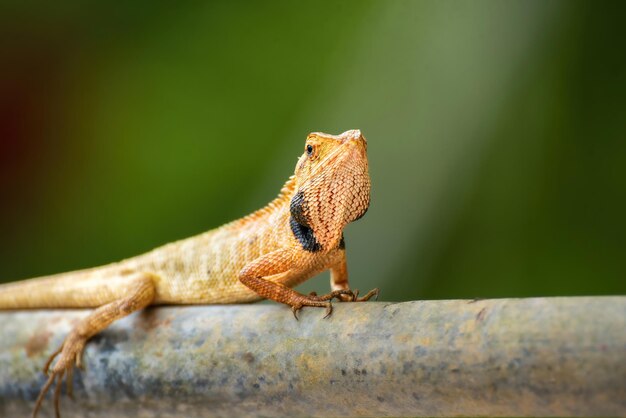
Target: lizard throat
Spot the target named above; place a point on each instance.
(305, 236)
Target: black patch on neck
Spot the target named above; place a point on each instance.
(342, 243)
(298, 209)
(304, 235)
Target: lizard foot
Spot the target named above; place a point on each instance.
(319, 301)
(70, 355)
(353, 295)
(371, 294)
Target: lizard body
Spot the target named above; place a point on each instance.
(296, 236)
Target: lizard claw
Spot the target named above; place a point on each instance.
(329, 310)
(372, 293)
(46, 366)
(69, 388)
(335, 294)
(316, 301)
(353, 295)
(343, 295)
(295, 310)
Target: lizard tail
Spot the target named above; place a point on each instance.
(66, 290)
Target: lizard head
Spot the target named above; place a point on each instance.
(332, 186)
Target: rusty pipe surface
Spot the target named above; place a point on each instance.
(502, 357)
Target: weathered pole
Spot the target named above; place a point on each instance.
(503, 357)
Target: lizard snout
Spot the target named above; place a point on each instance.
(354, 134)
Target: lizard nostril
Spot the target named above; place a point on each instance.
(351, 134)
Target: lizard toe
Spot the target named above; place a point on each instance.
(329, 310)
(69, 355)
(372, 293)
(295, 310)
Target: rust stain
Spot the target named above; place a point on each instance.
(150, 321)
(425, 341)
(56, 319)
(481, 315)
(37, 343)
(248, 357)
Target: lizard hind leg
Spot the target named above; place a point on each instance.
(138, 294)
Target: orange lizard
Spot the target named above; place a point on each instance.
(296, 236)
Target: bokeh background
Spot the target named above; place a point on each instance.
(497, 134)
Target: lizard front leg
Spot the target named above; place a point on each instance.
(138, 293)
(266, 276)
(339, 281)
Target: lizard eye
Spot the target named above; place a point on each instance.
(309, 150)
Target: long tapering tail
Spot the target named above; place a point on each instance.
(66, 290)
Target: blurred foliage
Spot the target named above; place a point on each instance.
(496, 134)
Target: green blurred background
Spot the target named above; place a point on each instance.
(497, 134)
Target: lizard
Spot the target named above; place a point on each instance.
(262, 255)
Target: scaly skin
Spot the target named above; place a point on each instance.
(296, 236)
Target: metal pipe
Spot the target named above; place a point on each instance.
(502, 357)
